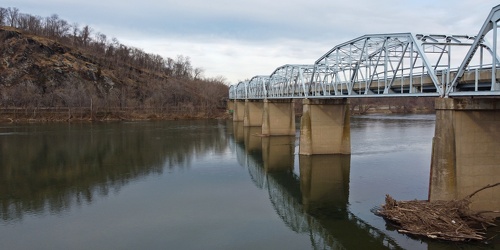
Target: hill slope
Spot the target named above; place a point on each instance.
(38, 73)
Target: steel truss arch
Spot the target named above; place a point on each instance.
(240, 90)
(386, 64)
(289, 80)
(490, 24)
(256, 87)
(232, 91)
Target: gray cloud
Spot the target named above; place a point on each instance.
(240, 39)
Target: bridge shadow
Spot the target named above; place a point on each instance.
(315, 202)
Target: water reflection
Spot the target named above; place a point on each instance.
(278, 153)
(49, 168)
(314, 203)
(324, 181)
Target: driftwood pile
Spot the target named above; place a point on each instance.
(446, 220)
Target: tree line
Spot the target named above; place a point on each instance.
(96, 42)
(144, 80)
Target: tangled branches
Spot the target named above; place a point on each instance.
(447, 220)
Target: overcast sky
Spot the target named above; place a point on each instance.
(239, 39)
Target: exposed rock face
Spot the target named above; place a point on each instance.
(41, 73)
(47, 64)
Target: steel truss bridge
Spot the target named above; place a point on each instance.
(386, 65)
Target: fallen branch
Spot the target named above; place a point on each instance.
(483, 188)
(451, 220)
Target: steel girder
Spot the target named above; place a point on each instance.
(491, 24)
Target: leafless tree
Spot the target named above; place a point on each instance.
(198, 73)
(3, 16)
(75, 31)
(182, 67)
(12, 15)
(85, 35)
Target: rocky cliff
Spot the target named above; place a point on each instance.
(38, 73)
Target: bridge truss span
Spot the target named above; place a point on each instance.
(382, 64)
(393, 64)
(290, 80)
(490, 26)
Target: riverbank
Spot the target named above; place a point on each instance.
(40, 115)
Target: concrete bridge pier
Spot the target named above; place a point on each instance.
(278, 117)
(325, 127)
(253, 113)
(230, 106)
(239, 111)
(466, 151)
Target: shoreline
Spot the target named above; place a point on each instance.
(104, 116)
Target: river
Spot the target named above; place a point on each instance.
(208, 184)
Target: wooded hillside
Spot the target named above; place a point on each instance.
(50, 69)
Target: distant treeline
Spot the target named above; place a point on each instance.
(48, 62)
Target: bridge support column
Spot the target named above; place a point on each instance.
(325, 127)
(253, 113)
(230, 106)
(465, 151)
(239, 111)
(278, 117)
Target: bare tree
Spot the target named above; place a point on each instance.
(100, 42)
(182, 67)
(85, 34)
(75, 30)
(198, 73)
(12, 15)
(62, 28)
(3, 16)
(30, 23)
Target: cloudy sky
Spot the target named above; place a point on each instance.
(239, 39)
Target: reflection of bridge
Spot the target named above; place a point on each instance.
(460, 70)
(314, 203)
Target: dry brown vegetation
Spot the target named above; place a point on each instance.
(451, 220)
(48, 65)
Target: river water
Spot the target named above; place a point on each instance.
(208, 185)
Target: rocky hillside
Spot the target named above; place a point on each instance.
(38, 73)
